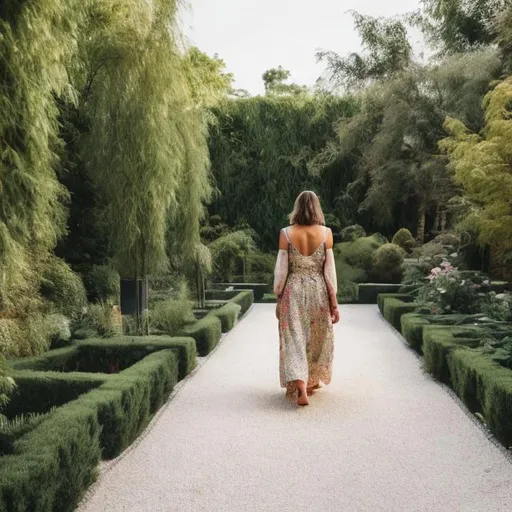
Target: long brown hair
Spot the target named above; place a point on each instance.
(307, 210)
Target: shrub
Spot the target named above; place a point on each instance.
(14, 429)
(100, 319)
(244, 299)
(448, 291)
(39, 391)
(451, 240)
(387, 263)
(352, 233)
(228, 315)
(394, 309)
(367, 293)
(125, 403)
(484, 387)
(170, 316)
(347, 292)
(7, 384)
(412, 325)
(230, 253)
(102, 283)
(58, 329)
(12, 341)
(404, 239)
(206, 332)
(354, 260)
(62, 287)
(383, 296)
(53, 464)
(260, 267)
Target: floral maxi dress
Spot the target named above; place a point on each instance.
(306, 340)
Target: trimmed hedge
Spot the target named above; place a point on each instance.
(245, 299)
(438, 342)
(220, 294)
(383, 296)
(58, 360)
(367, 293)
(228, 315)
(126, 350)
(259, 289)
(110, 355)
(394, 309)
(126, 402)
(412, 325)
(54, 463)
(38, 392)
(485, 387)
(206, 332)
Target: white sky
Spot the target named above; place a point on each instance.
(252, 37)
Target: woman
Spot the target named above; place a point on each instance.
(305, 285)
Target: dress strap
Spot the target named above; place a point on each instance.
(286, 234)
(326, 233)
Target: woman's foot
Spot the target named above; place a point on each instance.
(302, 398)
(312, 389)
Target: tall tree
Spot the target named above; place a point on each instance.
(393, 141)
(455, 26)
(275, 82)
(386, 51)
(482, 164)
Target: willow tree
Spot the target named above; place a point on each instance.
(146, 148)
(38, 40)
(482, 164)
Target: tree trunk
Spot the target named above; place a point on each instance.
(420, 232)
(437, 221)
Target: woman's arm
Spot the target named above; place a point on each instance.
(281, 269)
(330, 276)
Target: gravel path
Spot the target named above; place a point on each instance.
(382, 437)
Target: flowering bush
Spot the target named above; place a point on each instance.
(448, 291)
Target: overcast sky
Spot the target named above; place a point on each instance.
(252, 37)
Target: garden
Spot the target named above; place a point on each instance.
(141, 198)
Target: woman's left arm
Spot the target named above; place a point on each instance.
(330, 275)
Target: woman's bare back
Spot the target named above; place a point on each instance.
(306, 239)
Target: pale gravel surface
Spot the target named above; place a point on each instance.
(382, 437)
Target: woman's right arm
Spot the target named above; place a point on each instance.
(281, 269)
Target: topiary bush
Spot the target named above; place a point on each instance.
(352, 233)
(354, 260)
(388, 263)
(62, 287)
(404, 239)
